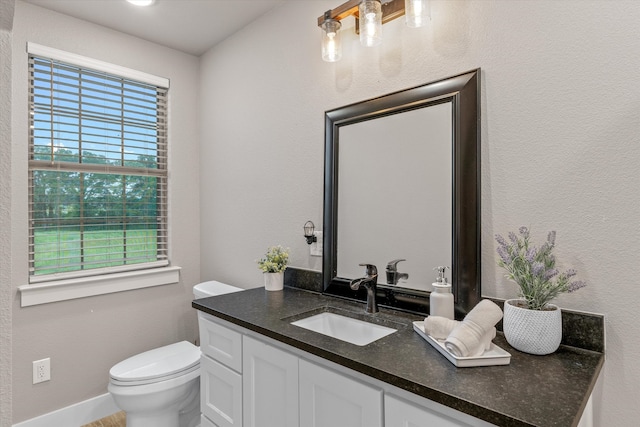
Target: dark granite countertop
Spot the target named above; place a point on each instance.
(531, 391)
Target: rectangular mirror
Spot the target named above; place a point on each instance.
(402, 183)
(393, 218)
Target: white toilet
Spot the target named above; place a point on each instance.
(161, 387)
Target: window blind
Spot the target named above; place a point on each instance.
(97, 171)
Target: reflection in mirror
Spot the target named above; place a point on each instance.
(382, 215)
(402, 183)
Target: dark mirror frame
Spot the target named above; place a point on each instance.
(463, 91)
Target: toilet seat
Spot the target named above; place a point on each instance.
(157, 365)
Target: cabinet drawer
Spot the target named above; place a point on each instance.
(220, 393)
(220, 343)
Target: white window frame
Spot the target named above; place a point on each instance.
(70, 286)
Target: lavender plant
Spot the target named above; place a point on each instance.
(534, 268)
(275, 260)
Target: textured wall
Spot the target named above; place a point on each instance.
(6, 25)
(85, 337)
(560, 142)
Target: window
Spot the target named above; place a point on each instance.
(97, 167)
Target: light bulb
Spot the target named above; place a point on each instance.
(417, 13)
(331, 46)
(370, 13)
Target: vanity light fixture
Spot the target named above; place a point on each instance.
(309, 228)
(142, 2)
(369, 15)
(331, 44)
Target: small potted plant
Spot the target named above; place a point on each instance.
(531, 323)
(273, 266)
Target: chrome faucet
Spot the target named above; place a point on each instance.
(370, 281)
(392, 272)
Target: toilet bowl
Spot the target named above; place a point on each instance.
(161, 387)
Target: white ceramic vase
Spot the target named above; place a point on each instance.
(273, 281)
(532, 331)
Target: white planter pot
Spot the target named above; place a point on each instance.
(532, 331)
(273, 281)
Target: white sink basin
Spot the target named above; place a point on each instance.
(344, 328)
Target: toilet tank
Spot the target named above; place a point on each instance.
(213, 288)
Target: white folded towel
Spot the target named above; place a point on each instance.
(469, 338)
(439, 327)
(488, 337)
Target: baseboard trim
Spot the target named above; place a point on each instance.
(75, 415)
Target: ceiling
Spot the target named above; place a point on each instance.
(191, 26)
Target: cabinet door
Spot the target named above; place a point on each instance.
(220, 393)
(329, 399)
(398, 413)
(270, 385)
(206, 422)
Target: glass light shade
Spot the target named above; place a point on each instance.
(309, 228)
(417, 13)
(331, 45)
(142, 2)
(370, 15)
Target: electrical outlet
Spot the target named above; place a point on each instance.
(41, 370)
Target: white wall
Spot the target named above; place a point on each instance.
(560, 142)
(6, 25)
(85, 337)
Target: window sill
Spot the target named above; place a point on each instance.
(63, 290)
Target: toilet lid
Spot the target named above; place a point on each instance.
(157, 364)
(213, 288)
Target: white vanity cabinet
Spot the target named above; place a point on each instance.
(248, 380)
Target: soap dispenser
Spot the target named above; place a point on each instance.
(441, 298)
